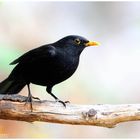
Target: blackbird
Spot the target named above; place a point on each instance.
(46, 65)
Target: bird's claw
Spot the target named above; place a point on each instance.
(62, 102)
(29, 99)
(36, 98)
(67, 102)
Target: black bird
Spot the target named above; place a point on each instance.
(47, 66)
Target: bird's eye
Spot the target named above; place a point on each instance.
(77, 41)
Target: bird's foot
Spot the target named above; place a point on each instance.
(36, 98)
(62, 102)
(29, 100)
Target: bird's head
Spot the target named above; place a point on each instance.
(75, 43)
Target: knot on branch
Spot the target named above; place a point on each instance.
(89, 114)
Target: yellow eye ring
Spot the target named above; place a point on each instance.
(77, 41)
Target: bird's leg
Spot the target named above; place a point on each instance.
(49, 90)
(31, 94)
(29, 98)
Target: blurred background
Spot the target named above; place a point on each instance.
(109, 74)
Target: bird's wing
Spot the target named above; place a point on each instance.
(46, 51)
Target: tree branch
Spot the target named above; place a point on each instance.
(13, 108)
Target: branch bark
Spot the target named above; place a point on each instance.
(13, 108)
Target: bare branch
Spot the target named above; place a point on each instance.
(13, 108)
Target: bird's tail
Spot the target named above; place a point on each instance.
(9, 86)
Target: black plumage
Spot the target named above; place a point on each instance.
(47, 65)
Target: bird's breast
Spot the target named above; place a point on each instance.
(52, 71)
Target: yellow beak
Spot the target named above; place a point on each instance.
(92, 43)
